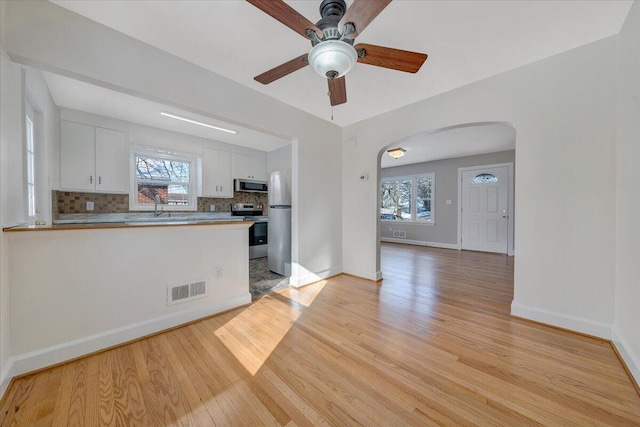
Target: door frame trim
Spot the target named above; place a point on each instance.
(510, 204)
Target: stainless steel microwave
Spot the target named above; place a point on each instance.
(250, 186)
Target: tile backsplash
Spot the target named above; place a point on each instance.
(224, 205)
(70, 202)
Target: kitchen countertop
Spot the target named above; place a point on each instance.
(132, 220)
(143, 217)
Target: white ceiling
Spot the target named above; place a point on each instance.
(466, 41)
(466, 140)
(77, 95)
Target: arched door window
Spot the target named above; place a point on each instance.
(484, 178)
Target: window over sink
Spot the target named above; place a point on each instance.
(169, 179)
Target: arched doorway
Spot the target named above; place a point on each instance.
(420, 195)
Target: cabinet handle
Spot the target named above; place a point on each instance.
(90, 179)
(221, 188)
(216, 188)
(99, 180)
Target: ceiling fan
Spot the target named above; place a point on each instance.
(333, 52)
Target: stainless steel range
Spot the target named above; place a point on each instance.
(258, 232)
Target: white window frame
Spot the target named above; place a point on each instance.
(414, 205)
(168, 155)
(30, 162)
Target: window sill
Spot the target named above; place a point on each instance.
(395, 221)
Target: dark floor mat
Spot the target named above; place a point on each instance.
(261, 280)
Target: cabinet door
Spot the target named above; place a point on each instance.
(111, 161)
(223, 174)
(249, 167)
(209, 165)
(77, 156)
(216, 174)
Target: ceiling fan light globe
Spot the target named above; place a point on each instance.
(332, 58)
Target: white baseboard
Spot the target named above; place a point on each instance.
(420, 243)
(629, 356)
(38, 359)
(311, 277)
(368, 275)
(5, 377)
(572, 323)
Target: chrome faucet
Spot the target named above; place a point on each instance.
(156, 199)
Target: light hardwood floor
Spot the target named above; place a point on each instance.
(433, 344)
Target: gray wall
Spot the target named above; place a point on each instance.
(445, 229)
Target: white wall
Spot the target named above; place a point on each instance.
(55, 39)
(279, 159)
(10, 130)
(5, 84)
(23, 83)
(563, 111)
(16, 84)
(627, 321)
(74, 292)
(47, 141)
(14, 81)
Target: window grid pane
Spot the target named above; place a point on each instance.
(395, 200)
(31, 173)
(169, 179)
(155, 169)
(424, 188)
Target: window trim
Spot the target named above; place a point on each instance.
(30, 155)
(414, 204)
(167, 155)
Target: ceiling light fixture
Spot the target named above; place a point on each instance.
(185, 119)
(332, 59)
(396, 153)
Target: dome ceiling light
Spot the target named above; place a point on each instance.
(396, 153)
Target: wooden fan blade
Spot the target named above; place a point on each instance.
(337, 91)
(396, 59)
(361, 13)
(282, 70)
(284, 13)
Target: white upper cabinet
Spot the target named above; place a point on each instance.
(77, 156)
(216, 174)
(248, 167)
(92, 158)
(111, 160)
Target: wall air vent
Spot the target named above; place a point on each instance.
(399, 233)
(197, 288)
(188, 292)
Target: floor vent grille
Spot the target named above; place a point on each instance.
(188, 292)
(399, 233)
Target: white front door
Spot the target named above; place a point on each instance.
(485, 209)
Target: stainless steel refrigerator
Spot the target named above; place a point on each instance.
(279, 242)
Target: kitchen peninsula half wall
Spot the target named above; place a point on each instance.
(78, 291)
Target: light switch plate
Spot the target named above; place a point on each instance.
(89, 206)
